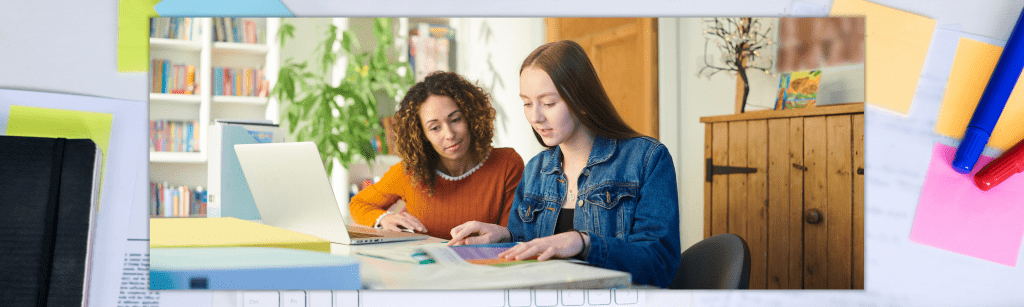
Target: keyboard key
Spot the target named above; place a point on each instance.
(546, 297)
(346, 298)
(293, 299)
(494, 298)
(519, 298)
(260, 299)
(319, 298)
(625, 296)
(599, 297)
(572, 297)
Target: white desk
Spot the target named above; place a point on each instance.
(553, 274)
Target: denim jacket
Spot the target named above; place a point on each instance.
(628, 204)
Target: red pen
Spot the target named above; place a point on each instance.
(1011, 162)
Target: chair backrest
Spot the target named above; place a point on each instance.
(719, 262)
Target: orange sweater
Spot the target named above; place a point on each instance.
(485, 195)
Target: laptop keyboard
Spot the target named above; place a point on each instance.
(496, 298)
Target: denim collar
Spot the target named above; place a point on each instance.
(600, 152)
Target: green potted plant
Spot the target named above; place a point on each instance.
(342, 119)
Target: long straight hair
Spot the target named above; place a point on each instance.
(577, 82)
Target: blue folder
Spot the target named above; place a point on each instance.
(250, 268)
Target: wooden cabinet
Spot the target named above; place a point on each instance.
(791, 184)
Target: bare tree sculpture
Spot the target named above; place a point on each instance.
(739, 41)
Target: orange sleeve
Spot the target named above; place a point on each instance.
(513, 174)
(373, 201)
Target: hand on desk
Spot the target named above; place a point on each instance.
(563, 245)
(404, 219)
(474, 232)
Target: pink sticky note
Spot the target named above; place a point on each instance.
(955, 215)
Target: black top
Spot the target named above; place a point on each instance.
(564, 220)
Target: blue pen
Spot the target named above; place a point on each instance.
(993, 99)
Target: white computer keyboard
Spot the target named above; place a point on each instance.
(495, 298)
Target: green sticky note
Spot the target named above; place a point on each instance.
(133, 34)
(57, 123)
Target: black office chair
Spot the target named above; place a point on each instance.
(719, 262)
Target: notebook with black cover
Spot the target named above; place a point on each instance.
(48, 200)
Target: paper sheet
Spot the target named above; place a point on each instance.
(972, 69)
(955, 215)
(56, 123)
(223, 8)
(133, 34)
(897, 43)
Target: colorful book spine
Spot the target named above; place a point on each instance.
(190, 79)
(176, 201)
(174, 136)
(163, 83)
(218, 78)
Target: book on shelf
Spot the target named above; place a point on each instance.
(229, 194)
(389, 136)
(238, 30)
(166, 200)
(49, 191)
(431, 48)
(182, 28)
(170, 78)
(232, 81)
(174, 136)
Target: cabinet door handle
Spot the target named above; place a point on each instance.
(799, 167)
(813, 216)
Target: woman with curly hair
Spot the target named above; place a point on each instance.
(601, 192)
(449, 172)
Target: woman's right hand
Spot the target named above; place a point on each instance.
(474, 232)
(404, 219)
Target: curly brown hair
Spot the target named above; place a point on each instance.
(419, 159)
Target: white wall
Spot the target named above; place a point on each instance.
(684, 98)
(489, 52)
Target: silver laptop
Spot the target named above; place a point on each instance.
(291, 190)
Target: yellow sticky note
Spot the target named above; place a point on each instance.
(227, 232)
(57, 123)
(897, 43)
(971, 70)
(133, 34)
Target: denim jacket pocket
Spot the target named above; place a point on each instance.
(611, 205)
(529, 208)
(609, 196)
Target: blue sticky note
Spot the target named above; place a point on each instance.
(223, 8)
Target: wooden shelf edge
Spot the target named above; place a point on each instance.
(240, 47)
(176, 98)
(176, 157)
(253, 100)
(769, 114)
(180, 44)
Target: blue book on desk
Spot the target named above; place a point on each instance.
(250, 268)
